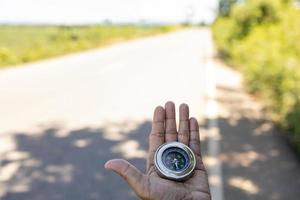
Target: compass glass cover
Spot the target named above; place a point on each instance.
(175, 159)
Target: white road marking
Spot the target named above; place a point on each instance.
(215, 166)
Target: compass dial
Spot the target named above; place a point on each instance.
(175, 159)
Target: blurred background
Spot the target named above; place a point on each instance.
(79, 81)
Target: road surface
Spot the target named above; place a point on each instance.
(120, 82)
(62, 119)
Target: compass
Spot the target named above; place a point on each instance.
(174, 161)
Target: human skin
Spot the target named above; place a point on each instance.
(150, 186)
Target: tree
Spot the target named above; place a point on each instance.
(225, 7)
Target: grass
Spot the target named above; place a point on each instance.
(22, 44)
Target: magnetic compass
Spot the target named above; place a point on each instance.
(174, 161)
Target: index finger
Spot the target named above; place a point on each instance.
(157, 135)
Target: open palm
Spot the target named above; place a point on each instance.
(150, 185)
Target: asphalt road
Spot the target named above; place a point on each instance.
(125, 80)
(61, 119)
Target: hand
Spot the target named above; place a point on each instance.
(152, 187)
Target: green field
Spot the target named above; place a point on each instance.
(21, 44)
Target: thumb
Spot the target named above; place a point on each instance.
(127, 171)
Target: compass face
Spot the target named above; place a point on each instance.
(175, 159)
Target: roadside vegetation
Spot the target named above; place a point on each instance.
(21, 44)
(261, 38)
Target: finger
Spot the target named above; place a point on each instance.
(194, 143)
(128, 172)
(171, 130)
(184, 130)
(157, 135)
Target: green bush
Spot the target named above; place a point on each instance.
(262, 39)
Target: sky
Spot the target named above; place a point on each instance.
(116, 11)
